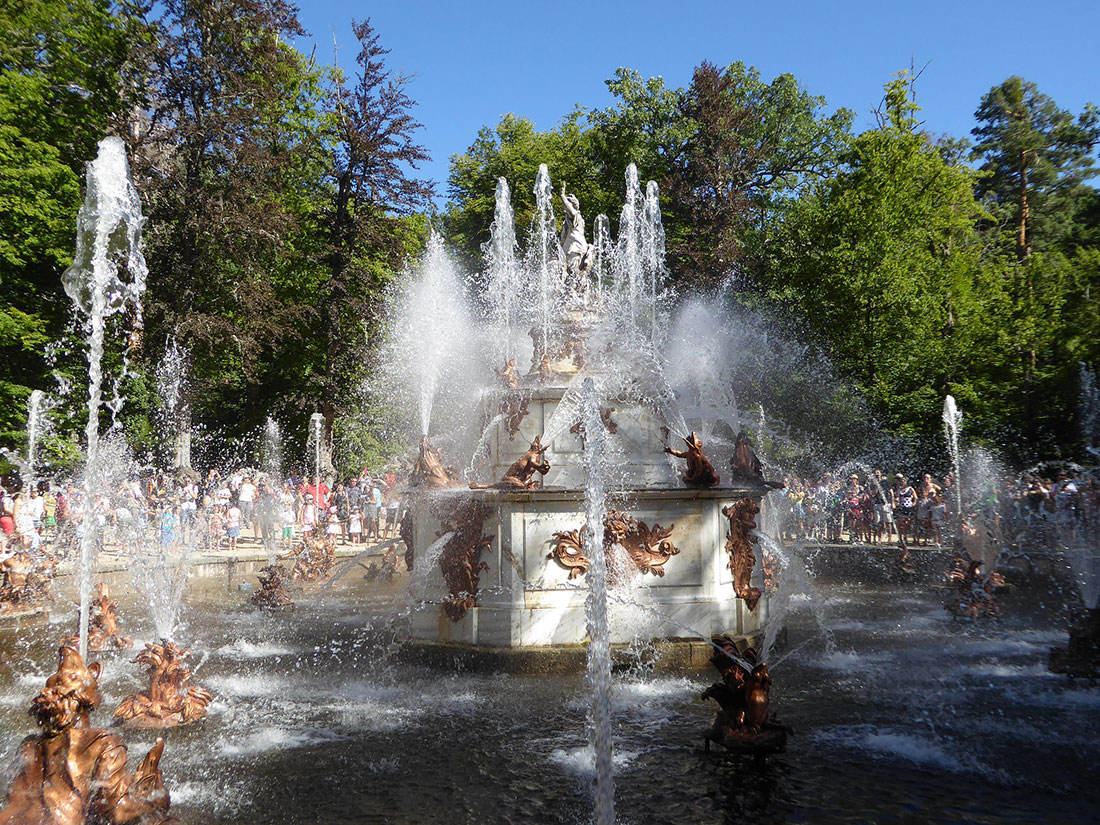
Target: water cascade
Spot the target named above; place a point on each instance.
(595, 606)
(108, 245)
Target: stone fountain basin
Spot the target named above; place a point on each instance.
(527, 600)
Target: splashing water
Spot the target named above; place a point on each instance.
(108, 244)
(504, 278)
(595, 605)
(952, 426)
(271, 451)
(433, 330)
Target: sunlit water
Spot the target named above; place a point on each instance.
(911, 718)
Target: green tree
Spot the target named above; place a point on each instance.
(1035, 157)
(753, 147)
(881, 260)
(220, 159)
(369, 194)
(65, 81)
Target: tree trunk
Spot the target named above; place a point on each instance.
(1023, 245)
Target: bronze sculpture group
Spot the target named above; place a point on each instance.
(103, 632)
(744, 722)
(74, 774)
(170, 699)
(25, 579)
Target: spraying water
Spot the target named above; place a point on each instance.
(544, 256)
(108, 245)
(503, 275)
(952, 426)
(433, 333)
(272, 450)
(595, 605)
(35, 422)
(316, 437)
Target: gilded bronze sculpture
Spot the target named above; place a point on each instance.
(313, 557)
(745, 466)
(74, 774)
(1081, 657)
(744, 723)
(461, 557)
(699, 472)
(508, 375)
(25, 580)
(273, 591)
(648, 549)
(740, 542)
(520, 476)
(970, 593)
(429, 470)
(103, 626)
(513, 406)
(170, 701)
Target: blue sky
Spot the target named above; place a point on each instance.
(472, 62)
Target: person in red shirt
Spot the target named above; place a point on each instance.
(319, 490)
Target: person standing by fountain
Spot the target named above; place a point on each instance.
(233, 526)
(246, 497)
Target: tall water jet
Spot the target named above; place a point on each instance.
(175, 410)
(432, 330)
(653, 253)
(629, 273)
(1089, 406)
(603, 250)
(271, 452)
(35, 424)
(599, 648)
(503, 275)
(544, 257)
(108, 244)
(952, 426)
(316, 437)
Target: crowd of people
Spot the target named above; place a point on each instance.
(205, 513)
(871, 508)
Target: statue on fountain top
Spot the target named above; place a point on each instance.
(577, 251)
(73, 773)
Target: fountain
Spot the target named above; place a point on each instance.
(73, 773)
(108, 243)
(515, 571)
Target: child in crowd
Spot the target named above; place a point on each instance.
(233, 526)
(309, 515)
(286, 519)
(355, 526)
(938, 516)
(168, 521)
(333, 526)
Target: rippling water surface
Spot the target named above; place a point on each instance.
(908, 718)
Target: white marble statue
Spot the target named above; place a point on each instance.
(577, 251)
